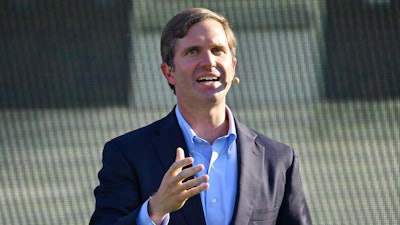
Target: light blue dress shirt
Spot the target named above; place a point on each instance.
(220, 163)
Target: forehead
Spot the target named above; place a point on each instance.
(205, 32)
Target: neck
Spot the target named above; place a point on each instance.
(208, 124)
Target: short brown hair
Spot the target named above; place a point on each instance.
(179, 25)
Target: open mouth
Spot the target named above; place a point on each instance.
(207, 79)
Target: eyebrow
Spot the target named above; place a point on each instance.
(190, 48)
(194, 47)
(197, 47)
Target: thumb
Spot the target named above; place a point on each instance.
(180, 154)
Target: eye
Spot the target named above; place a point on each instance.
(218, 50)
(192, 51)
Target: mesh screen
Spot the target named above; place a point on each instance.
(321, 76)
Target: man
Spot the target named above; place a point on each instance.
(199, 165)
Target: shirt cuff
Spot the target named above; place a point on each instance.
(144, 217)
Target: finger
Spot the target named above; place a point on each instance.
(195, 190)
(180, 162)
(180, 154)
(185, 174)
(190, 172)
(192, 183)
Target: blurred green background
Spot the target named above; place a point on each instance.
(321, 76)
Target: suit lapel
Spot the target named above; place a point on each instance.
(170, 137)
(250, 161)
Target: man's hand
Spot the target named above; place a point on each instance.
(173, 192)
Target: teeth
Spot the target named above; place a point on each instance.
(208, 79)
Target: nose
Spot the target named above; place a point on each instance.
(208, 60)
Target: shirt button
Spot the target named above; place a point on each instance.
(214, 200)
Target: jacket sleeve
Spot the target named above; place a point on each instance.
(117, 198)
(294, 209)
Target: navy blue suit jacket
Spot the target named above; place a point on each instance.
(269, 186)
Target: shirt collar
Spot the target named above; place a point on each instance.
(189, 133)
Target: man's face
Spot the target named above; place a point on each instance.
(204, 65)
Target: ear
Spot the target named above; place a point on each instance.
(234, 61)
(168, 73)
